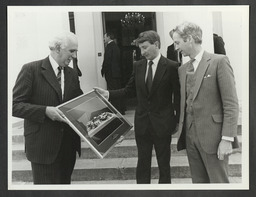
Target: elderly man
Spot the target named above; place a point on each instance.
(209, 107)
(155, 83)
(50, 144)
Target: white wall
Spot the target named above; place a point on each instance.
(166, 21)
(28, 35)
(234, 42)
(90, 42)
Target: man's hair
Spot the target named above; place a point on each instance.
(61, 40)
(171, 33)
(111, 35)
(150, 36)
(187, 29)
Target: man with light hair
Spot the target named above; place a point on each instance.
(50, 144)
(209, 107)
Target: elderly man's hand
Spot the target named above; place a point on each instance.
(55, 114)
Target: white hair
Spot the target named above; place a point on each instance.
(61, 40)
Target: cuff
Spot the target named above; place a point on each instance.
(107, 95)
(231, 139)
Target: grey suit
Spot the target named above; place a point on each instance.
(214, 108)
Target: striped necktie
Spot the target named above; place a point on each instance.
(59, 74)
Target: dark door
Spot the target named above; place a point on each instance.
(126, 32)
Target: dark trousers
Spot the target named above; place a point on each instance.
(205, 168)
(115, 84)
(60, 171)
(145, 145)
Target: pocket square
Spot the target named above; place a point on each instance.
(207, 76)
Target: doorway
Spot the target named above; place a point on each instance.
(126, 27)
(126, 33)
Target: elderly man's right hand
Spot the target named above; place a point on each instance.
(103, 92)
(55, 114)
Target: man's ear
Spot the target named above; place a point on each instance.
(157, 44)
(57, 48)
(190, 38)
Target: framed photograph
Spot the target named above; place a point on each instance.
(96, 121)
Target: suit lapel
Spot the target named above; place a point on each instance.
(161, 68)
(202, 67)
(50, 76)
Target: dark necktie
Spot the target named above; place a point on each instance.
(150, 76)
(59, 75)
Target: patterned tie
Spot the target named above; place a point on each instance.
(190, 67)
(59, 74)
(150, 76)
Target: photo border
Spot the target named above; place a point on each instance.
(3, 105)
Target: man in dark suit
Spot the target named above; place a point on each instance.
(111, 68)
(209, 107)
(172, 53)
(155, 83)
(50, 144)
(219, 44)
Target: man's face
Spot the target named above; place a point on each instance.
(106, 38)
(149, 51)
(184, 47)
(67, 54)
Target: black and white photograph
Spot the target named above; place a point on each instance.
(128, 97)
(96, 121)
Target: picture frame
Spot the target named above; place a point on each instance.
(96, 121)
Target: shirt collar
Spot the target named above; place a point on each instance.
(110, 41)
(199, 56)
(156, 60)
(54, 64)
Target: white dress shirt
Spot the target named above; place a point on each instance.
(55, 66)
(154, 66)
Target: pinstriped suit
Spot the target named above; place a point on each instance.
(214, 106)
(37, 87)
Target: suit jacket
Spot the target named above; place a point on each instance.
(111, 66)
(37, 87)
(214, 104)
(160, 106)
(218, 44)
(172, 54)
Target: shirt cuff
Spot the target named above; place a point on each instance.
(231, 139)
(107, 95)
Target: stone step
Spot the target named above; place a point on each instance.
(18, 137)
(124, 150)
(119, 169)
